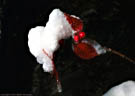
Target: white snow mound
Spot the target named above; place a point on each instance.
(47, 38)
(125, 89)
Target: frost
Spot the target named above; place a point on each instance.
(125, 89)
(99, 49)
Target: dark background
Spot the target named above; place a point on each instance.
(110, 22)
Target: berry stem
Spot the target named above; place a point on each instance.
(55, 73)
(120, 54)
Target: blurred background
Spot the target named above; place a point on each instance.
(109, 22)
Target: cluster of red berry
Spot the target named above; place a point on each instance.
(79, 36)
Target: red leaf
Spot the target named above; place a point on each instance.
(75, 23)
(85, 50)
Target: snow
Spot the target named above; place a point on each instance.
(47, 38)
(125, 89)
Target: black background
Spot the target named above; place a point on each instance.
(110, 27)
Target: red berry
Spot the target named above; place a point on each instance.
(81, 34)
(76, 38)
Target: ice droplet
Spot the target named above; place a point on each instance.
(59, 87)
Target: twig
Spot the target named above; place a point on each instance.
(120, 54)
